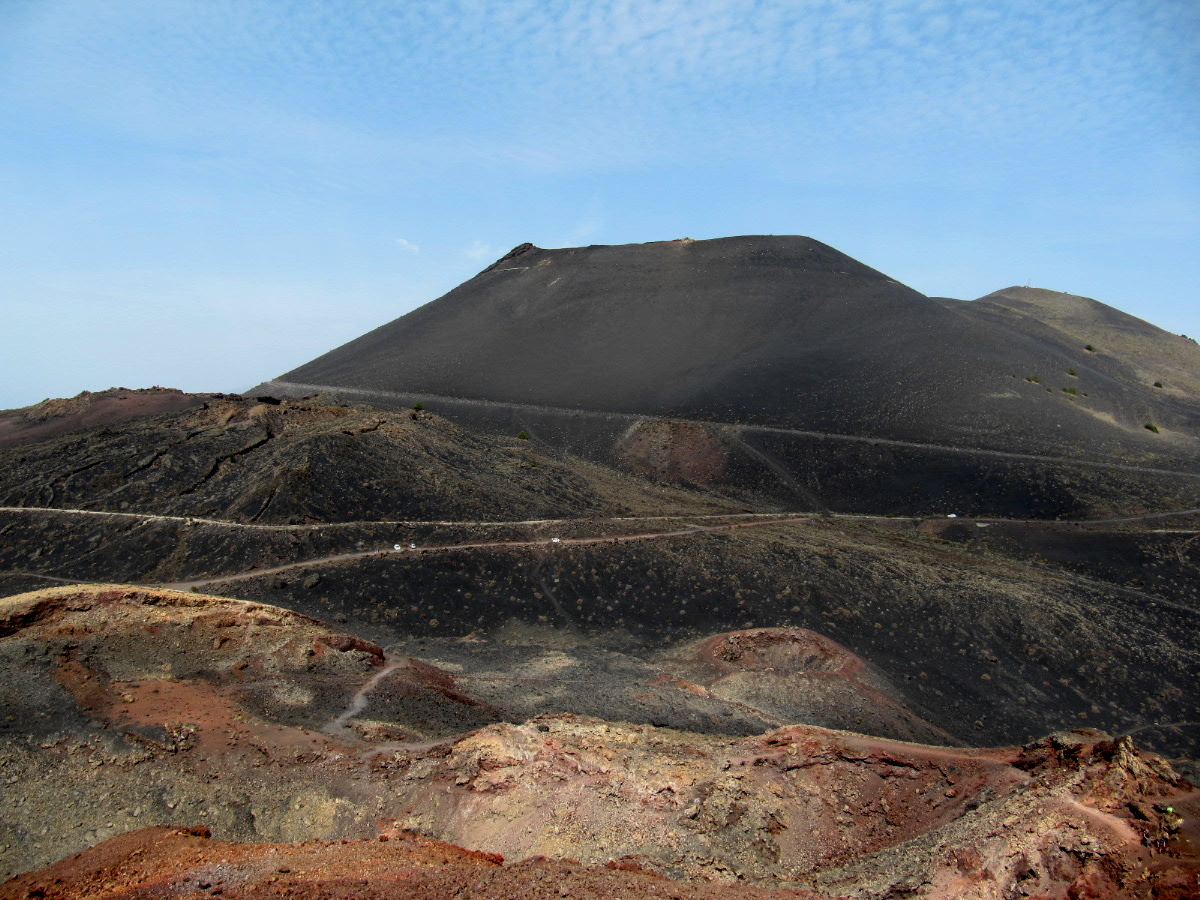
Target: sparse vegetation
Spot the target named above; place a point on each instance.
(1151, 427)
(523, 435)
(1033, 379)
(1072, 373)
(1090, 349)
(1070, 390)
(418, 406)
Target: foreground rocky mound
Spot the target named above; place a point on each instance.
(130, 708)
(184, 864)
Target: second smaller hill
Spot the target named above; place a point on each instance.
(303, 461)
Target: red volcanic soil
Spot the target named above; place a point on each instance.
(51, 418)
(847, 814)
(186, 864)
(798, 675)
(674, 451)
(131, 707)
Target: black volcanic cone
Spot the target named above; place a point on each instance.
(765, 330)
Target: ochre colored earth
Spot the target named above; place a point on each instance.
(183, 864)
(306, 746)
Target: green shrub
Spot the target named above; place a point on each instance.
(418, 406)
(1070, 390)
(1072, 373)
(1033, 379)
(523, 435)
(1150, 427)
(1158, 384)
(1090, 349)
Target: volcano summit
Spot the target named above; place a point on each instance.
(784, 351)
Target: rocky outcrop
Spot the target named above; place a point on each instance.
(129, 708)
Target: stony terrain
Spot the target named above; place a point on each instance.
(108, 733)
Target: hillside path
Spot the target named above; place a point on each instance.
(733, 427)
(548, 542)
(753, 520)
(498, 523)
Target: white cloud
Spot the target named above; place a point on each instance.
(407, 246)
(481, 252)
(608, 83)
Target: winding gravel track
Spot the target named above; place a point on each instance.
(751, 520)
(53, 510)
(476, 545)
(225, 523)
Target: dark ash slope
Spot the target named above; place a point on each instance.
(768, 330)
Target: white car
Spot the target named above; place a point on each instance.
(556, 540)
(412, 546)
(397, 547)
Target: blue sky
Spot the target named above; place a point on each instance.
(206, 193)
